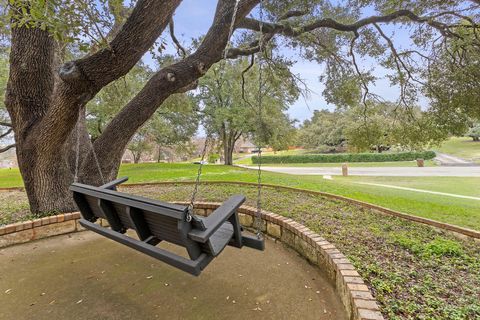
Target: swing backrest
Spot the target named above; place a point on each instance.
(164, 221)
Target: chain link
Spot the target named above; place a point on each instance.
(197, 181)
(77, 151)
(230, 31)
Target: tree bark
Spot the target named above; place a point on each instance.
(46, 178)
(229, 139)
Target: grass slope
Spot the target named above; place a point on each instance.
(462, 147)
(462, 212)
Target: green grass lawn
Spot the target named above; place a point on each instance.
(10, 178)
(462, 147)
(462, 212)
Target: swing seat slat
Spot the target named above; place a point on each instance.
(154, 221)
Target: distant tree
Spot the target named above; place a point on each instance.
(453, 83)
(376, 128)
(139, 145)
(384, 125)
(282, 133)
(231, 111)
(174, 124)
(110, 100)
(325, 128)
(474, 132)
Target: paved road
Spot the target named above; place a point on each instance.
(383, 171)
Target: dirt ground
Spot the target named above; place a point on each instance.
(84, 276)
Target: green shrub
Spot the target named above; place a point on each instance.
(435, 248)
(443, 247)
(347, 157)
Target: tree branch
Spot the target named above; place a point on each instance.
(169, 80)
(271, 29)
(83, 78)
(6, 133)
(291, 14)
(4, 149)
(5, 124)
(144, 25)
(180, 49)
(288, 30)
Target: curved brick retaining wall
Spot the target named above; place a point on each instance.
(354, 294)
(441, 225)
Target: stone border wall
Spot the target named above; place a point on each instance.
(26, 231)
(437, 224)
(354, 294)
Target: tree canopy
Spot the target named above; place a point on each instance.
(380, 127)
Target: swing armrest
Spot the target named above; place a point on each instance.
(112, 185)
(217, 218)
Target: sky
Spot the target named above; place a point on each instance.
(194, 17)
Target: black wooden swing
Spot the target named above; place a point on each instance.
(154, 221)
(204, 238)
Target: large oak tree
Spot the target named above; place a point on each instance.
(46, 97)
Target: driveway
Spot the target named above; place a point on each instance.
(442, 171)
(449, 160)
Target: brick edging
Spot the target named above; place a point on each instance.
(354, 294)
(25, 231)
(441, 225)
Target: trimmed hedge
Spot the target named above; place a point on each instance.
(347, 157)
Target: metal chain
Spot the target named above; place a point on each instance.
(77, 152)
(97, 162)
(190, 210)
(230, 31)
(77, 149)
(188, 217)
(258, 214)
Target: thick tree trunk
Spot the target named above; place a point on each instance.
(46, 178)
(159, 154)
(228, 154)
(229, 141)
